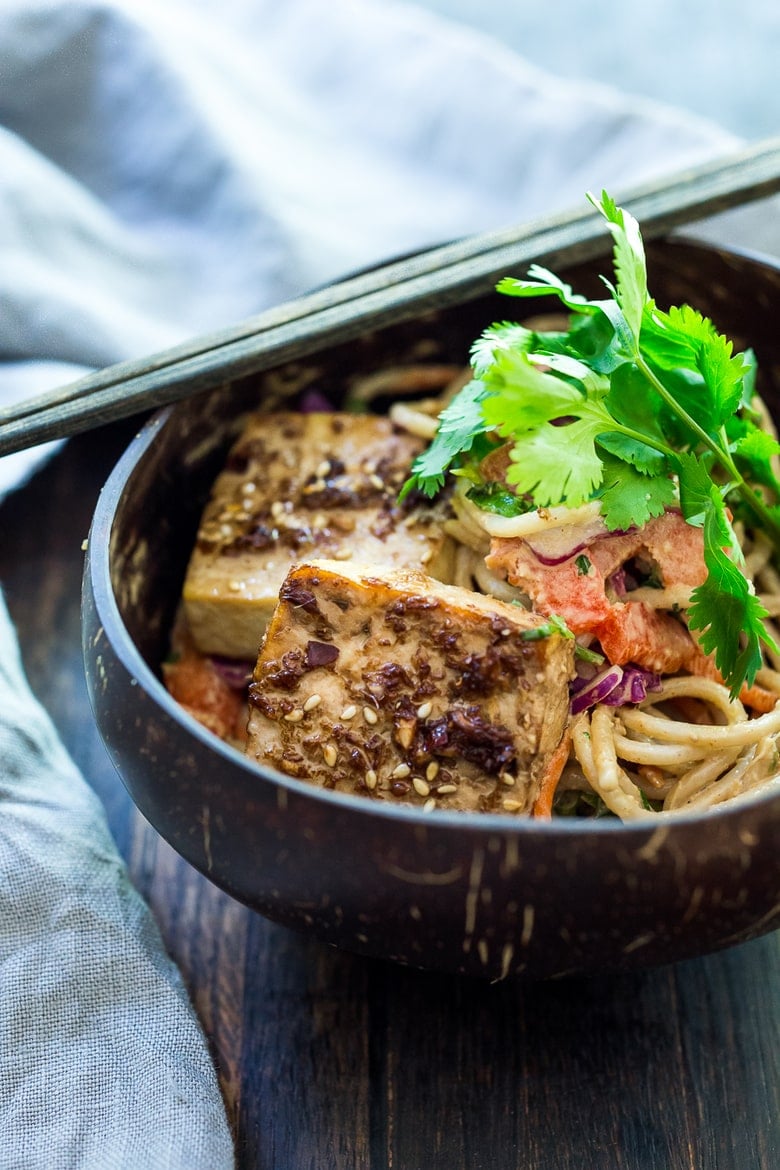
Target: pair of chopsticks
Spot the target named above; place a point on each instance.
(397, 291)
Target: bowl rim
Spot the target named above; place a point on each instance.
(98, 570)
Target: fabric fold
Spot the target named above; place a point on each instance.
(102, 1060)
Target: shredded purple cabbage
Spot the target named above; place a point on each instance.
(236, 673)
(614, 686)
(313, 401)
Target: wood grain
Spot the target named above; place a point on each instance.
(332, 1062)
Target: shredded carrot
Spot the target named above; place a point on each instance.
(550, 777)
(758, 698)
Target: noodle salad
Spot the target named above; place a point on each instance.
(618, 474)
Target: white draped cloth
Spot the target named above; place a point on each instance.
(168, 167)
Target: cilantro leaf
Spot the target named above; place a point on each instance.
(628, 497)
(460, 423)
(523, 404)
(542, 282)
(593, 384)
(632, 451)
(630, 266)
(593, 338)
(504, 335)
(696, 485)
(726, 611)
(755, 450)
(684, 339)
(521, 396)
(539, 467)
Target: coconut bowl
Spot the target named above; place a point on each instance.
(492, 896)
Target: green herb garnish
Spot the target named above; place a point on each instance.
(555, 624)
(499, 499)
(639, 408)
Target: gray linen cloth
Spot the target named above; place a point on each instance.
(102, 1061)
(167, 168)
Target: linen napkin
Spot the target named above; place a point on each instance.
(102, 1061)
(166, 169)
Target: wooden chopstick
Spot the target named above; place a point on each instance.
(397, 291)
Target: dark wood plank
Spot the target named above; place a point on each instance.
(730, 1005)
(334, 1062)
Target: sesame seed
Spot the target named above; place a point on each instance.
(426, 556)
(248, 488)
(342, 554)
(323, 469)
(370, 466)
(370, 715)
(376, 482)
(508, 779)
(401, 772)
(512, 805)
(432, 771)
(312, 702)
(349, 712)
(236, 586)
(424, 710)
(421, 787)
(370, 778)
(295, 715)
(429, 805)
(277, 509)
(505, 633)
(405, 734)
(446, 789)
(330, 754)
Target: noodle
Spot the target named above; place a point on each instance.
(416, 422)
(675, 597)
(611, 782)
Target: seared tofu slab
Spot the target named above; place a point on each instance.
(298, 486)
(386, 683)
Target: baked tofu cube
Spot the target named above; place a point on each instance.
(385, 683)
(298, 486)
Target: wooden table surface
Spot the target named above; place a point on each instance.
(332, 1062)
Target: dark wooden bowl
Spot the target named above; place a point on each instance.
(489, 896)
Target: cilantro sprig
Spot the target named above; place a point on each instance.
(640, 408)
